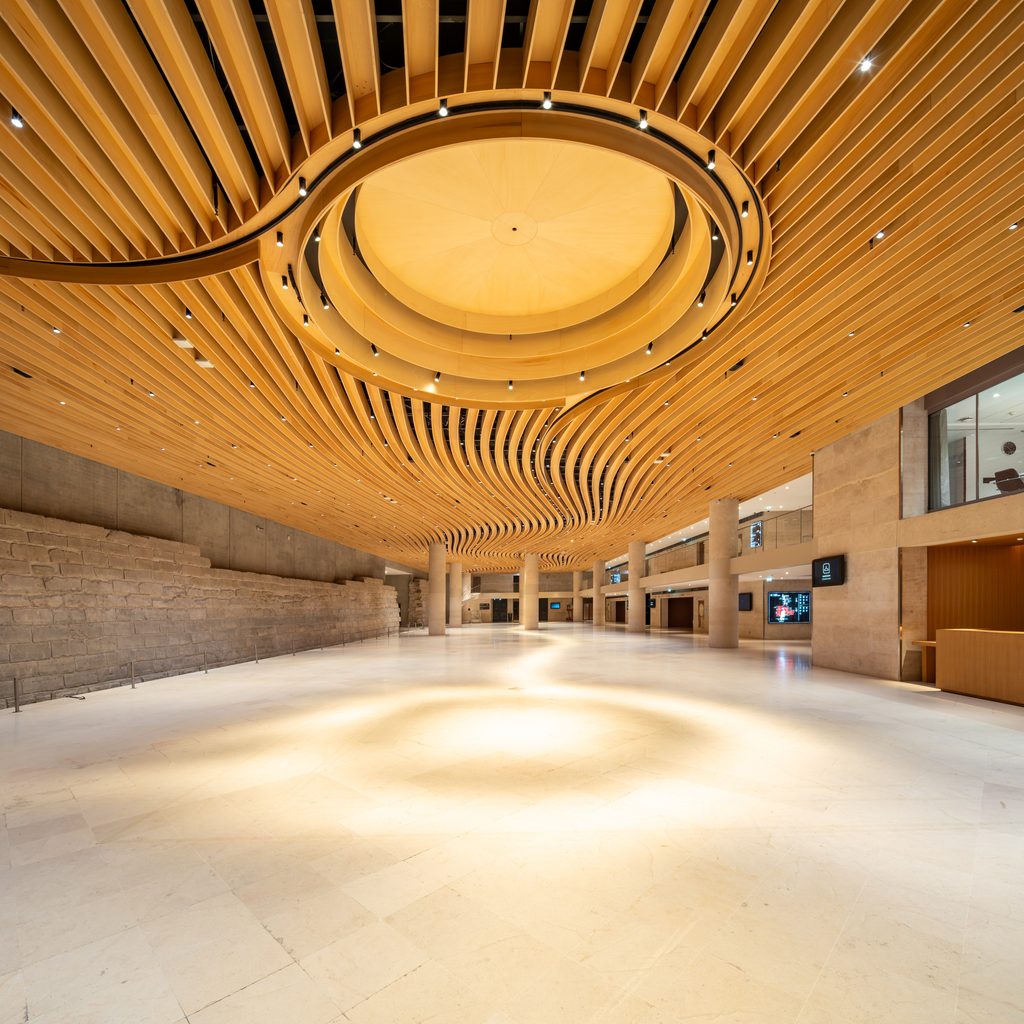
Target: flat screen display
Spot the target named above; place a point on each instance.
(615, 577)
(788, 606)
(555, 604)
(757, 533)
(828, 572)
(746, 601)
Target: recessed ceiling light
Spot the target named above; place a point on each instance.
(711, 160)
(1014, 226)
(642, 123)
(16, 119)
(442, 109)
(866, 64)
(357, 139)
(302, 187)
(879, 235)
(546, 102)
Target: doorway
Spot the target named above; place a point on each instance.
(680, 613)
(542, 610)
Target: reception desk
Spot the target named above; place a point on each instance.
(980, 663)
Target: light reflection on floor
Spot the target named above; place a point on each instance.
(513, 828)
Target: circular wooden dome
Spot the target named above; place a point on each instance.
(514, 235)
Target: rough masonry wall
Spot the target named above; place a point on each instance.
(79, 604)
(49, 482)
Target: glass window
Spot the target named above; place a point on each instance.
(976, 446)
(952, 446)
(1001, 438)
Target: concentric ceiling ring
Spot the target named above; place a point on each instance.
(679, 278)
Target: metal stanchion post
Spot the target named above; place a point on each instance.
(132, 663)
(256, 651)
(206, 667)
(17, 696)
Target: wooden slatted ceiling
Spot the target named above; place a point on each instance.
(145, 136)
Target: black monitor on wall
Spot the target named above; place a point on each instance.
(829, 571)
(746, 601)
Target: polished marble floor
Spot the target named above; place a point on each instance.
(503, 828)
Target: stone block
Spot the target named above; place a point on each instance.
(29, 652)
(11, 584)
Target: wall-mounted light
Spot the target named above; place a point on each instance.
(357, 139)
(302, 188)
(442, 109)
(546, 102)
(711, 160)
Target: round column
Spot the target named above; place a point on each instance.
(723, 591)
(598, 596)
(636, 615)
(455, 594)
(529, 613)
(577, 597)
(435, 591)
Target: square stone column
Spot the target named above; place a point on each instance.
(577, 597)
(636, 596)
(435, 600)
(723, 588)
(529, 607)
(455, 594)
(598, 596)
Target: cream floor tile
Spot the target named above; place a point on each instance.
(360, 964)
(13, 1001)
(287, 995)
(212, 949)
(112, 981)
(302, 910)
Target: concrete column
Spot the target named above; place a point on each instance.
(435, 599)
(723, 591)
(455, 594)
(529, 610)
(577, 597)
(636, 595)
(598, 596)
